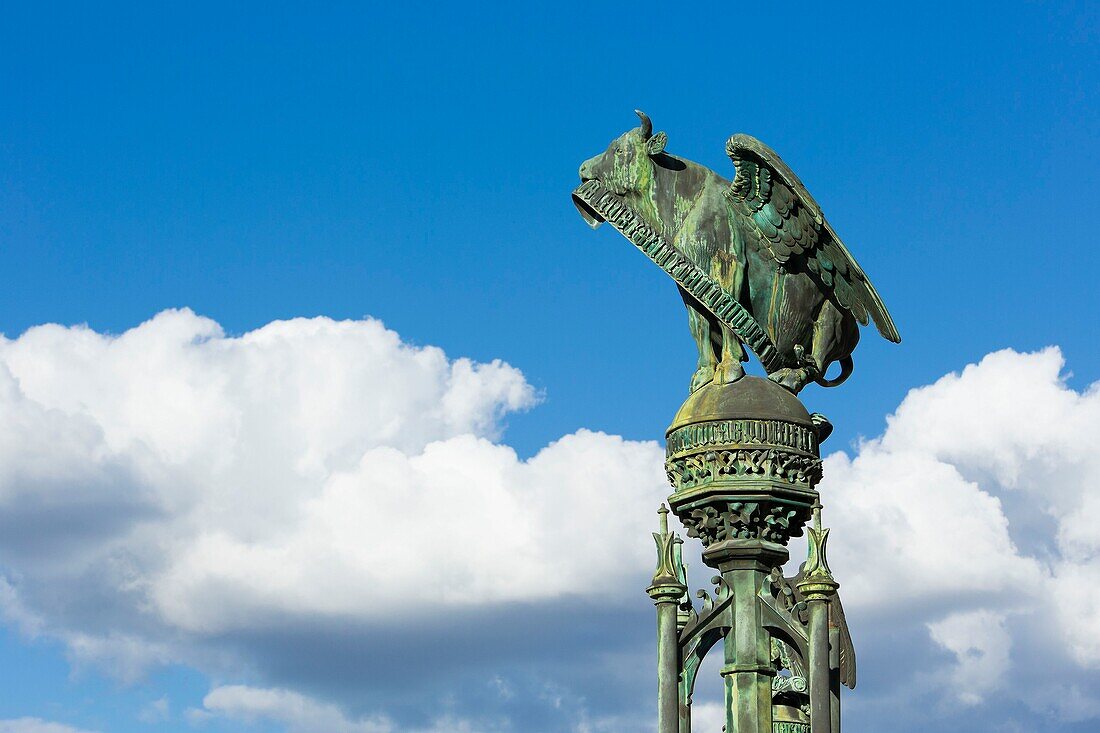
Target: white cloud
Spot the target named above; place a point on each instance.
(483, 525)
(301, 714)
(981, 645)
(910, 528)
(974, 513)
(192, 484)
(708, 716)
(170, 490)
(304, 714)
(157, 711)
(36, 725)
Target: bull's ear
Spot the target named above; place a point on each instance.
(656, 144)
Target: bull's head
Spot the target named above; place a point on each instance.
(626, 167)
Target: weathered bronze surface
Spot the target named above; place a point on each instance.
(755, 260)
(743, 460)
(757, 265)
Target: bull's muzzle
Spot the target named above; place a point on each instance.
(590, 217)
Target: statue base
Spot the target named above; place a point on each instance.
(743, 460)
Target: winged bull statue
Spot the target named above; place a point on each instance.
(755, 260)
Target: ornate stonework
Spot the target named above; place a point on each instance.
(783, 726)
(690, 471)
(776, 433)
(785, 596)
(754, 520)
(711, 451)
(743, 478)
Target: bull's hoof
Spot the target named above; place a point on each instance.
(792, 379)
(703, 376)
(728, 372)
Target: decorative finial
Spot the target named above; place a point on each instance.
(817, 581)
(670, 578)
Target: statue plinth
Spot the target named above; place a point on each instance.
(743, 460)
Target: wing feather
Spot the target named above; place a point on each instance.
(790, 224)
(784, 201)
(773, 215)
(794, 228)
(766, 227)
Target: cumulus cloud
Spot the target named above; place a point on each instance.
(36, 725)
(304, 714)
(974, 514)
(315, 497)
(464, 522)
(300, 713)
(981, 644)
(172, 484)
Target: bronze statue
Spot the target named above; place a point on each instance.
(755, 260)
(757, 266)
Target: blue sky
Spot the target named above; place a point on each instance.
(413, 164)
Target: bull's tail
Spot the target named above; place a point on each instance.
(846, 365)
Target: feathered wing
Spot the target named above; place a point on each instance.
(775, 206)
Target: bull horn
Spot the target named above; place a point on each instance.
(647, 124)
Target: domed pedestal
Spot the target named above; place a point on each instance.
(743, 462)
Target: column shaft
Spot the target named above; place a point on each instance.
(834, 677)
(668, 669)
(820, 692)
(748, 671)
(685, 707)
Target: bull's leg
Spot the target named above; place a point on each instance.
(731, 275)
(701, 333)
(833, 329)
(796, 377)
(835, 337)
(807, 367)
(733, 353)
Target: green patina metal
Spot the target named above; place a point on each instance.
(755, 259)
(744, 462)
(757, 265)
(667, 590)
(692, 280)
